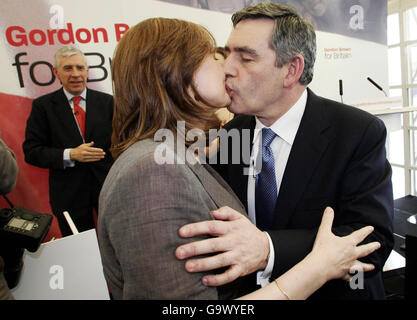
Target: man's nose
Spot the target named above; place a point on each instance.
(229, 67)
(75, 72)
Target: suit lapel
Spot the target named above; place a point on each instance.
(309, 146)
(92, 113)
(237, 178)
(64, 113)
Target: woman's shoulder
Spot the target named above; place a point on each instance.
(147, 158)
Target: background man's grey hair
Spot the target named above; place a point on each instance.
(291, 35)
(67, 51)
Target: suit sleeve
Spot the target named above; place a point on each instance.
(8, 169)
(365, 198)
(139, 230)
(37, 145)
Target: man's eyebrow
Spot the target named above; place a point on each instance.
(243, 49)
(73, 65)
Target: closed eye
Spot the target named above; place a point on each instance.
(246, 59)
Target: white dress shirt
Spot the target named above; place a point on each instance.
(67, 160)
(285, 128)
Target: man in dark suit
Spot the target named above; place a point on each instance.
(69, 131)
(314, 153)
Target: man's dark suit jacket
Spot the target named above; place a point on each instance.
(51, 128)
(338, 159)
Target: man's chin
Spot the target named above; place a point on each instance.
(232, 107)
(76, 90)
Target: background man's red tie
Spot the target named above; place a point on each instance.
(79, 114)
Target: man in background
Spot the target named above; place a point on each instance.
(69, 132)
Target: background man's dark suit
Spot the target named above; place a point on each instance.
(337, 159)
(51, 128)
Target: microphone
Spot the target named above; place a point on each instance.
(341, 90)
(377, 86)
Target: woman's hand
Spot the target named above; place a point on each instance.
(339, 255)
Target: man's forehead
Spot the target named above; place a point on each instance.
(74, 60)
(253, 34)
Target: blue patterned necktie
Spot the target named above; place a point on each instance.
(266, 185)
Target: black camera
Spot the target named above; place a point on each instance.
(23, 228)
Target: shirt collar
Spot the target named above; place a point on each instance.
(70, 95)
(286, 127)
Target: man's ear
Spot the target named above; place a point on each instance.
(295, 69)
(55, 71)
